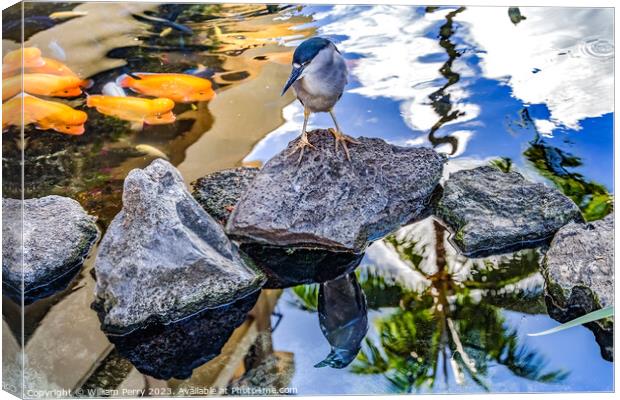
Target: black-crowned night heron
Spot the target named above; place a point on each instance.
(319, 75)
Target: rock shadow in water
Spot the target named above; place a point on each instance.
(41, 292)
(175, 350)
(287, 266)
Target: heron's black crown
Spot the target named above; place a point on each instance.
(308, 49)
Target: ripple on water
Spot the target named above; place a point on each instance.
(597, 48)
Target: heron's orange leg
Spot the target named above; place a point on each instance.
(340, 137)
(303, 141)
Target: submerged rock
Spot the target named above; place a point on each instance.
(275, 373)
(57, 235)
(163, 257)
(327, 202)
(579, 275)
(220, 191)
(175, 350)
(493, 212)
(343, 317)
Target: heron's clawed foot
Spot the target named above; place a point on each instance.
(300, 146)
(341, 138)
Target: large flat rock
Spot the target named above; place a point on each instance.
(579, 275)
(57, 236)
(163, 257)
(219, 192)
(327, 202)
(494, 212)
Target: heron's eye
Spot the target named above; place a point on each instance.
(296, 65)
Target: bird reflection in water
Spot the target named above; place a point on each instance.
(343, 316)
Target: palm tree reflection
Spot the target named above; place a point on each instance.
(454, 327)
(440, 99)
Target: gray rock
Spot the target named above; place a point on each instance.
(579, 276)
(163, 257)
(57, 236)
(272, 375)
(494, 212)
(220, 191)
(328, 202)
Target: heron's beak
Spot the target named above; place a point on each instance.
(295, 74)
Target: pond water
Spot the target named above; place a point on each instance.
(534, 96)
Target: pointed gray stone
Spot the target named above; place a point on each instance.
(328, 202)
(163, 257)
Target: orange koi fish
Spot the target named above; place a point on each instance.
(52, 67)
(181, 88)
(43, 85)
(33, 64)
(12, 61)
(44, 114)
(67, 14)
(134, 109)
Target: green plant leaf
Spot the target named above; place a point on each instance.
(584, 319)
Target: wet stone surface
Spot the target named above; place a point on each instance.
(163, 257)
(275, 371)
(218, 192)
(328, 202)
(109, 375)
(57, 236)
(493, 212)
(578, 270)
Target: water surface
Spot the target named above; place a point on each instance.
(535, 96)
